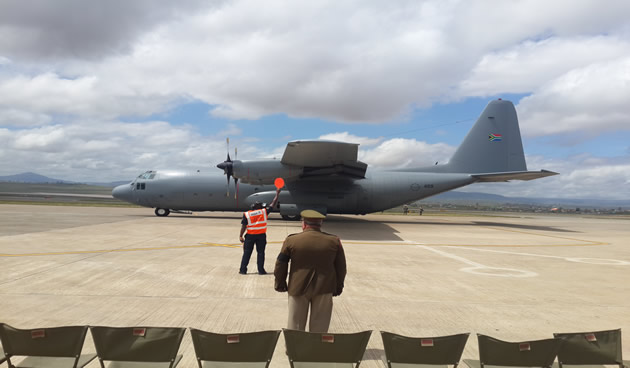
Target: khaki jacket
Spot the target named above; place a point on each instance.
(316, 258)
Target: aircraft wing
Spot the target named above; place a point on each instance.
(320, 158)
(513, 175)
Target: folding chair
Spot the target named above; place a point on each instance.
(315, 350)
(539, 353)
(2, 357)
(402, 351)
(590, 348)
(137, 347)
(252, 349)
(45, 347)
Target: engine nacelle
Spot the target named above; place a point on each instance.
(264, 172)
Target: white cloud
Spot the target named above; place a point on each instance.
(67, 29)
(524, 67)
(581, 176)
(107, 151)
(589, 101)
(405, 153)
(230, 130)
(350, 138)
(87, 96)
(15, 117)
(355, 61)
(48, 139)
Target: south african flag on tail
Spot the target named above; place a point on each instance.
(493, 137)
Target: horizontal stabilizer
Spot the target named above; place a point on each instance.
(513, 175)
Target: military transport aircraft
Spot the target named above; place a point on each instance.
(326, 175)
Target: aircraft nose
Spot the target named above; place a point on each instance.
(122, 192)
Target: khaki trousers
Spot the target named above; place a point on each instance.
(321, 312)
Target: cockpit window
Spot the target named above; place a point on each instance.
(147, 175)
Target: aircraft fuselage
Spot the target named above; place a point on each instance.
(197, 191)
(327, 176)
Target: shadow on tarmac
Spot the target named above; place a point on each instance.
(522, 227)
(360, 228)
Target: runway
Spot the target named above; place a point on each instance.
(515, 277)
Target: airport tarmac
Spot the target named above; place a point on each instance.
(515, 277)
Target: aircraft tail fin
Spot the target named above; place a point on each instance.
(493, 144)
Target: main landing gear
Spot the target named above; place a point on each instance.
(162, 212)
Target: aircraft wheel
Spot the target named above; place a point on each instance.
(162, 212)
(291, 218)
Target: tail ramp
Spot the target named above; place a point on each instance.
(493, 149)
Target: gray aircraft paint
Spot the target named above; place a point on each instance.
(491, 151)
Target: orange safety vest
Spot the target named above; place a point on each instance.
(256, 221)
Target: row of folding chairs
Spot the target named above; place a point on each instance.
(581, 349)
(138, 347)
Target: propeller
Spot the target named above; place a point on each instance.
(227, 166)
(228, 169)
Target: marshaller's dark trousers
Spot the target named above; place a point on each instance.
(248, 247)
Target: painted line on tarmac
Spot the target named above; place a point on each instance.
(598, 261)
(480, 269)
(120, 250)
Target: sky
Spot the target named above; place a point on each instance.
(101, 91)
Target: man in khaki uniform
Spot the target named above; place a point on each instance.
(318, 270)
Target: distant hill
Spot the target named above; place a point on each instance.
(29, 177)
(33, 178)
(472, 198)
